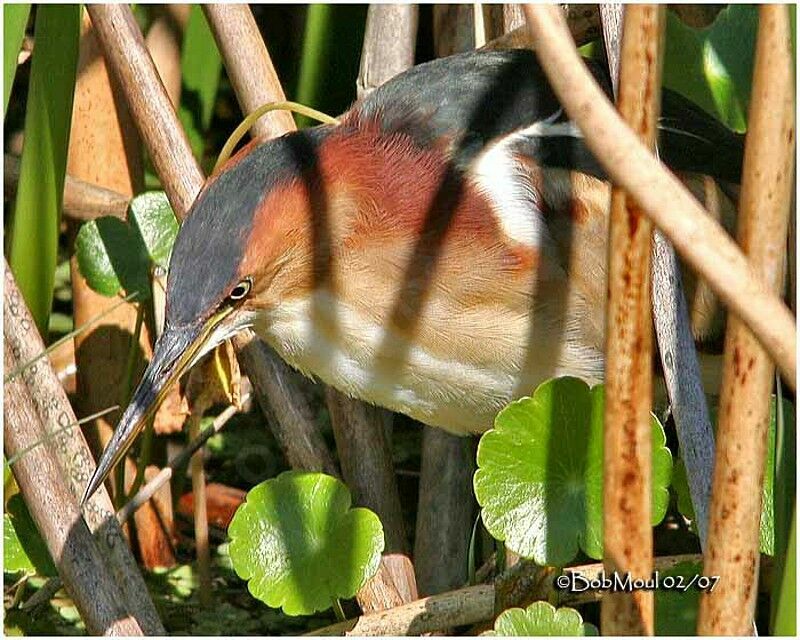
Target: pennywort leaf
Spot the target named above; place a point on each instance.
(299, 544)
(542, 619)
(540, 473)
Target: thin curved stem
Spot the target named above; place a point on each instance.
(252, 118)
(17, 370)
(337, 609)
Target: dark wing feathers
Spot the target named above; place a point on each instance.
(470, 99)
(692, 140)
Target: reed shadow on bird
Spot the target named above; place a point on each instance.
(305, 156)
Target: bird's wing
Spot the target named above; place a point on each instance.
(470, 100)
(692, 141)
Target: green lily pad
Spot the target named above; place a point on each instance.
(767, 522)
(299, 544)
(23, 547)
(713, 67)
(540, 473)
(541, 619)
(114, 255)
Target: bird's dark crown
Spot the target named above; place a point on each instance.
(204, 267)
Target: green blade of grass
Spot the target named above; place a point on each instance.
(785, 474)
(331, 54)
(312, 66)
(15, 18)
(786, 614)
(34, 231)
(201, 64)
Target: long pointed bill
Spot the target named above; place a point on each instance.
(175, 352)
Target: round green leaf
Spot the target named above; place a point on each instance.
(542, 619)
(152, 218)
(299, 545)
(540, 473)
(112, 257)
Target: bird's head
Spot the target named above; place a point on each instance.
(234, 258)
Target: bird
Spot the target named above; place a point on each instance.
(439, 252)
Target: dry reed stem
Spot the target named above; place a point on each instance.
(200, 507)
(362, 440)
(767, 186)
(513, 18)
(362, 433)
(445, 511)
(478, 25)
(153, 113)
(280, 395)
(104, 149)
(468, 605)
(393, 585)
(701, 241)
(427, 615)
(58, 519)
(389, 44)
(82, 200)
(494, 20)
(628, 540)
(249, 66)
(163, 41)
(452, 28)
(682, 377)
(51, 477)
(583, 21)
(611, 18)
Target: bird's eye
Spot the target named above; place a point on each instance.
(241, 290)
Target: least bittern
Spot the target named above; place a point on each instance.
(439, 252)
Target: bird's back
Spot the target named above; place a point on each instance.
(472, 98)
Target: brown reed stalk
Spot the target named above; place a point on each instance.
(748, 375)
(108, 589)
(627, 533)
